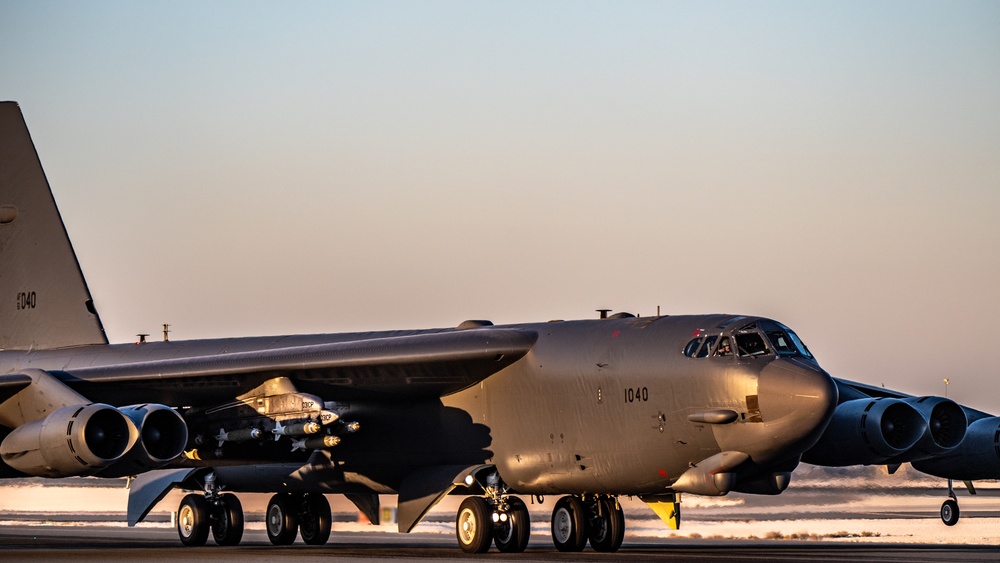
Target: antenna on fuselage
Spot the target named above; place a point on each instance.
(604, 312)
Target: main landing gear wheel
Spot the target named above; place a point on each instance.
(227, 520)
(192, 520)
(569, 525)
(511, 535)
(314, 521)
(282, 519)
(607, 525)
(474, 526)
(950, 512)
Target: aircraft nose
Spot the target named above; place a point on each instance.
(799, 394)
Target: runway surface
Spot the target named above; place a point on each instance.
(105, 543)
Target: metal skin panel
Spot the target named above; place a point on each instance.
(48, 304)
(603, 406)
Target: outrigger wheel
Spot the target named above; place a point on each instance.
(950, 512)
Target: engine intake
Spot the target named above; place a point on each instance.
(867, 431)
(162, 437)
(73, 440)
(946, 426)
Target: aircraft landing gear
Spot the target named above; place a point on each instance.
(192, 520)
(290, 515)
(222, 513)
(496, 518)
(315, 519)
(227, 520)
(949, 510)
(606, 527)
(600, 519)
(569, 525)
(473, 525)
(511, 533)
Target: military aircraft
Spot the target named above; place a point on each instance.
(586, 410)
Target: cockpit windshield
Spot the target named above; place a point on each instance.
(750, 344)
(784, 341)
(762, 337)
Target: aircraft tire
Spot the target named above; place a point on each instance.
(607, 530)
(950, 512)
(474, 525)
(282, 520)
(192, 520)
(227, 525)
(315, 519)
(569, 525)
(512, 536)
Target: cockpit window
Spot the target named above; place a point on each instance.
(784, 341)
(692, 347)
(750, 344)
(799, 344)
(709, 342)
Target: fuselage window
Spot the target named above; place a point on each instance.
(750, 344)
(724, 348)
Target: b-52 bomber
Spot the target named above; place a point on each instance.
(586, 411)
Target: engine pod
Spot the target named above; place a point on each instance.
(73, 440)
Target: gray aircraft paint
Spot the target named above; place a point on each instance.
(46, 303)
(592, 407)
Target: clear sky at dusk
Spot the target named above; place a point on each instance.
(244, 168)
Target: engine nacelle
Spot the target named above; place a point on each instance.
(867, 431)
(162, 437)
(978, 457)
(946, 426)
(73, 440)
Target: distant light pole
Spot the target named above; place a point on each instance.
(946, 382)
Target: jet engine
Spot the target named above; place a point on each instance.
(162, 437)
(867, 431)
(978, 456)
(73, 440)
(946, 425)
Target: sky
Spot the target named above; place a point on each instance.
(252, 168)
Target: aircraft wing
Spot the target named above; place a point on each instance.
(410, 366)
(850, 390)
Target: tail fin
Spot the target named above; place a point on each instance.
(44, 300)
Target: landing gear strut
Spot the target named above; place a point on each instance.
(949, 510)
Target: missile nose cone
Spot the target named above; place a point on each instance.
(799, 394)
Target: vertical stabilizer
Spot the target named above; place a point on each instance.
(44, 300)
